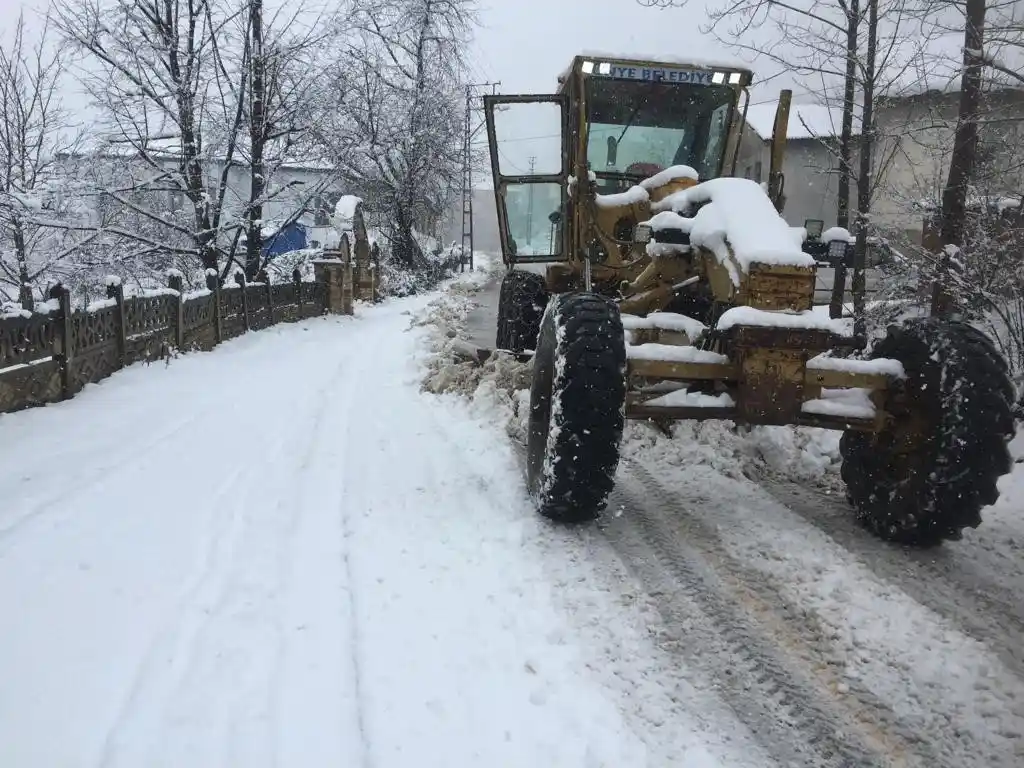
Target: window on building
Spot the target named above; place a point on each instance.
(757, 171)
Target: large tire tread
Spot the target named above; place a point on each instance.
(961, 386)
(584, 343)
(521, 305)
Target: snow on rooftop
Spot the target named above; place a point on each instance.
(806, 121)
(738, 213)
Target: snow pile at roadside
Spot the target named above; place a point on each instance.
(499, 384)
(800, 453)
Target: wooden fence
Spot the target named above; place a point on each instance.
(49, 357)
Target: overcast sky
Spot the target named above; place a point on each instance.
(526, 43)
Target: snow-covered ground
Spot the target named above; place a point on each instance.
(312, 546)
(283, 552)
(860, 652)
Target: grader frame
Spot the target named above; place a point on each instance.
(675, 292)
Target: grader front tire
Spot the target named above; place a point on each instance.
(576, 407)
(928, 475)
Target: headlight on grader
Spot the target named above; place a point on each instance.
(642, 233)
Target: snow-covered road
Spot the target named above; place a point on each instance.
(282, 553)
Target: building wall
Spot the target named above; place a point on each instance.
(810, 176)
(915, 146)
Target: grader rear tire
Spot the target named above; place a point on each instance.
(576, 407)
(521, 304)
(928, 475)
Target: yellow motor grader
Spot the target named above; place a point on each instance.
(674, 290)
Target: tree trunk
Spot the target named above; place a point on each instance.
(867, 142)
(965, 148)
(846, 135)
(24, 279)
(257, 139)
(846, 152)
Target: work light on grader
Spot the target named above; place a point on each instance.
(674, 290)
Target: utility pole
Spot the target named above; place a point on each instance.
(467, 171)
(529, 204)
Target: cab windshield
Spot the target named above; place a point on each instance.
(637, 128)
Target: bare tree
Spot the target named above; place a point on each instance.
(283, 69)
(36, 192)
(156, 69)
(396, 129)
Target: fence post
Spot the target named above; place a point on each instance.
(176, 282)
(297, 279)
(347, 276)
(213, 284)
(270, 299)
(115, 291)
(65, 337)
(240, 279)
(330, 273)
(374, 273)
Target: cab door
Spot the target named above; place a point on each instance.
(526, 136)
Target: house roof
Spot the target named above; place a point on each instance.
(806, 121)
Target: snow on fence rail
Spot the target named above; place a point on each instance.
(50, 356)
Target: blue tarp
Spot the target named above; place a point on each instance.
(291, 237)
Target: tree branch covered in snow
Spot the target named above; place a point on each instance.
(36, 191)
(391, 116)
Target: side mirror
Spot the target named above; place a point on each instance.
(613, 151)
(555, 217)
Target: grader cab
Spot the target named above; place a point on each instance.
(675, 291)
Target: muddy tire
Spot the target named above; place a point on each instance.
(577, 404)
(521, 305)
(957, 400)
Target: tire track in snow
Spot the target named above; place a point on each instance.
(728, 630)
(344, 512)
(166, 645)
(665, 702)
(946, 580)
(953, 693)
(324, 468)
(87, 480)
(252, 586)
(218, 694)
